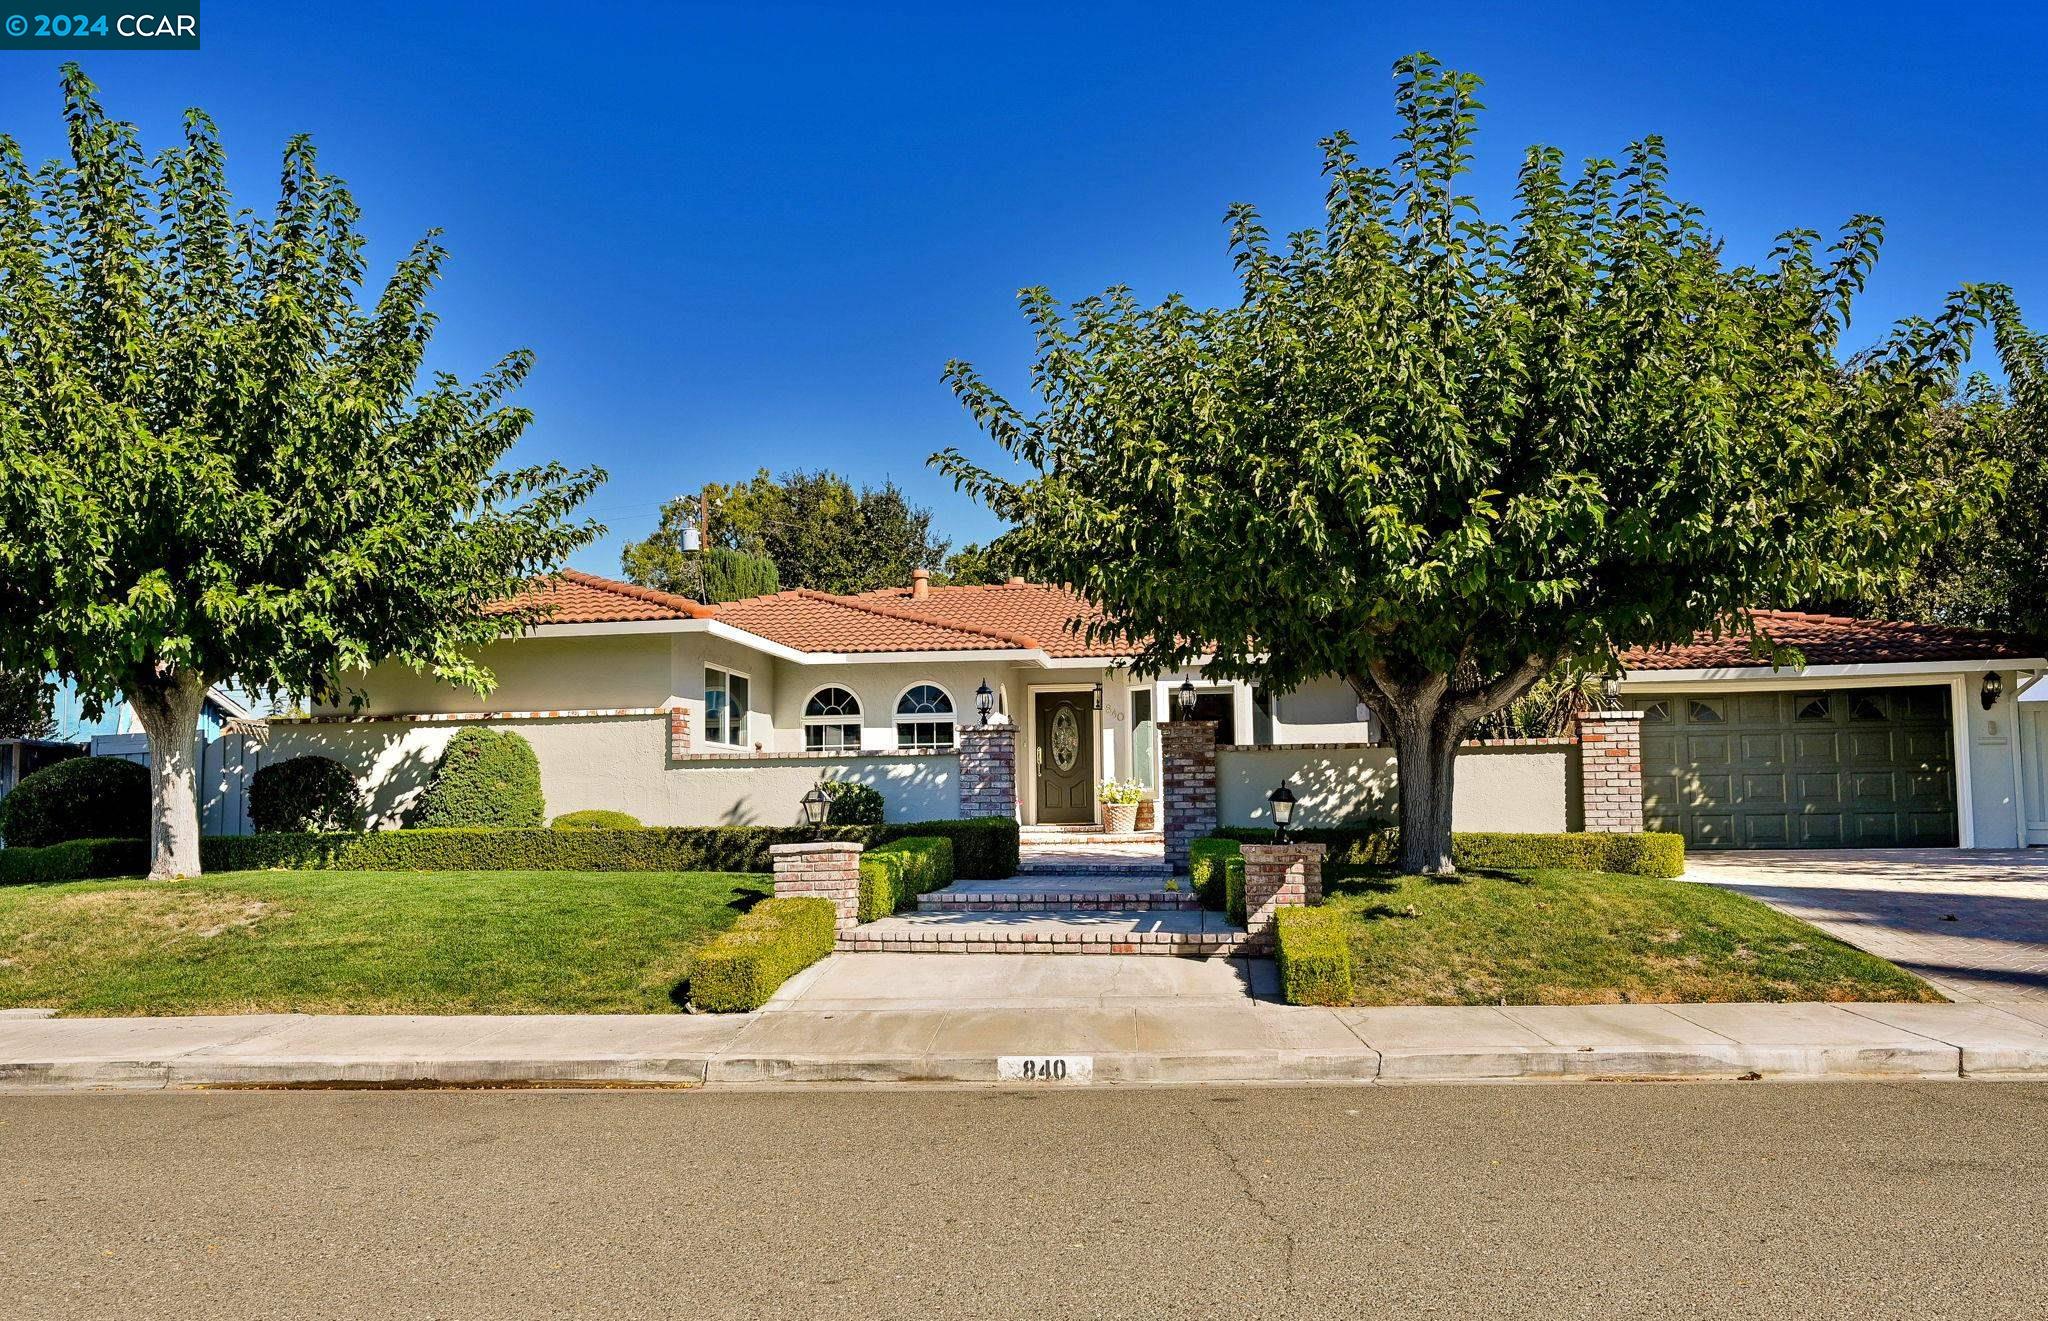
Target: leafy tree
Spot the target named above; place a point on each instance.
(213, 463)
(817, 529)
(717, 573)
(1441, 456)
(996, 562)
(1988, 573)
(27, 705)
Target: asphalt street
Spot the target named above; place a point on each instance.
(1590, 1200)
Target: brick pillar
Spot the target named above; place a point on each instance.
(1611, 770)
(988, 770)
(678, 731)
(1187, 784)
(1278, 876)
(828, 869)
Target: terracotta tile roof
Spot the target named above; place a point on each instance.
(816, 621)
(1024, 616)
(1836, 640)
(572, 597)
(1035, 610)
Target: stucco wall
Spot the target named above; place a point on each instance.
(693, 651)
(1515, 788)
(878, 687)
(538, 674)
(1322, 710)
(610, 762)
(1997, 763)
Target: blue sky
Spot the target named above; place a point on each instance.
(752, 235)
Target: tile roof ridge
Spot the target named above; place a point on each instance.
(651, 595)
(1914, 625)
(913, 617)
(786, 594)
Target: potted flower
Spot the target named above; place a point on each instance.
(1120, 799)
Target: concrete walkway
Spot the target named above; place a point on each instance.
(977, 1019)
(1973, 922)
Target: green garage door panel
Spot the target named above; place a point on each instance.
(1841, 768)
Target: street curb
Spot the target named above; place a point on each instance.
(742, 1069)
(1144, 1042)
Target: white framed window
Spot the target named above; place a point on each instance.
(832, 721)
(924, 719)
(726, 704)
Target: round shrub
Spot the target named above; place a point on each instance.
(489, 778)
(852, 804)
(596, 818)
(305, 793)
(82, 798)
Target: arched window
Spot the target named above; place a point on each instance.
(832, 721)
(924, 719)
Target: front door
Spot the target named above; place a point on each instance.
(1065, 757)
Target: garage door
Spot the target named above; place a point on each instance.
(1848, 768)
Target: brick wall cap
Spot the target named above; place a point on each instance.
(1279, 852)
(1611, 715)
(817, 846)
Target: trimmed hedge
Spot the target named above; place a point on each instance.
(1647, 854)
(1313, 951)
(596, 818)
(1209, 859)
(853, 804)
(771, 943)
(487, 778)
(893, 875)
(983, 848)
(74, 860)
(305, 793)
(78, 798)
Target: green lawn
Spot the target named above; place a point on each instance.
(364, 942)
(1571, 937)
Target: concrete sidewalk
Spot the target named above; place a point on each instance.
(864, 1018)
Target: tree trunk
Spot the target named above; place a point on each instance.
(1428, 715)
(169, 714)
(1426, 761)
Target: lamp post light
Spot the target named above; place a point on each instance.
(1184, 700)
(984, 701)
(817, 805)
(1282, 800)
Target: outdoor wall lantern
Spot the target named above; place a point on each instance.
(817, 805)
(1282, 800)
(984, 701)
(1184, 700)
(1098, 697)
(1994, 685)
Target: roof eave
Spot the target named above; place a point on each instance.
(1640, 680)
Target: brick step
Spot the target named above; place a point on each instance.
(1069, 867)
(1187, 934)
(1030, 835)
(1069, 901)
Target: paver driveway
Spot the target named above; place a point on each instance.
(1974, 922)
